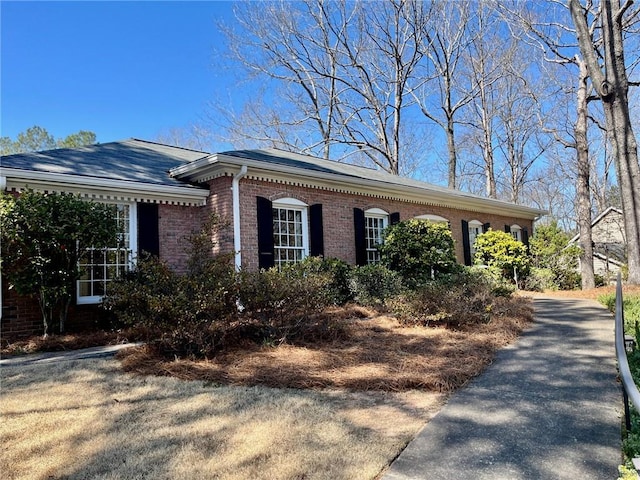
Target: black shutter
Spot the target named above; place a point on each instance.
(507, 229)
(394, 218)
(316, 240)
(486, 227)
(525, 236)
(360, 236)
(265, 233)
(466, 246)
(148, 230)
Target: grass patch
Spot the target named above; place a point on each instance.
(342, 407)
(96, 422)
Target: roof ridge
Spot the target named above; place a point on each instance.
(168, 145)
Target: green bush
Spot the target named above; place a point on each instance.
(503, 254)
(550, 250)
(455, 300)
(372, 285)
(418, 250)
(284, 303)
(43, 237)
(185, 315)
(337, 289)
(539, 280)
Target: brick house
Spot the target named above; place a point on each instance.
(281, 207)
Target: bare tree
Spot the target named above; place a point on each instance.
(446, 37)
(551, 36)
(346, 68)
(612, 86)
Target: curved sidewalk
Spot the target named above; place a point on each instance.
(65, 355)
(549, 407)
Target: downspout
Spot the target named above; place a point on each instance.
(235, 193)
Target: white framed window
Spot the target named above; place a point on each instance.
(475, 229)
(375, 221)
(100, 266)
(433, 218)
(290, 231)
(516, 232)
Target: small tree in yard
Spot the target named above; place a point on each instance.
(43, 237)
(502, 253)
(551, 252)
(418, 250)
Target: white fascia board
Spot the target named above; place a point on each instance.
(103, 188)
(221, 164)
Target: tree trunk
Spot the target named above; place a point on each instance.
(583, 193)
(64, 310)
(453, 158)
(47, 312)
(612, 87)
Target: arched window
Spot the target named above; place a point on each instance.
(475, 229)
(376, 220)
(290, 231)
(516, 232)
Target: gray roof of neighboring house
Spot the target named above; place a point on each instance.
(131, 160)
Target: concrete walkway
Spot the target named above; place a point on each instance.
(48, 357)
(548, 408)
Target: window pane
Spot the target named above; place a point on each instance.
(98, 267)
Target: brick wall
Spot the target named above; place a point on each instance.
(339, 237)
(175, 224)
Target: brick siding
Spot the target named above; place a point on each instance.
(339, 236)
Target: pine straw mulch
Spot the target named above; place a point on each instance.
(376, 354)
(591, 294)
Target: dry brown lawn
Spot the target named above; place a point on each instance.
(338, 410)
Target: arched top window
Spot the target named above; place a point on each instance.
(290, 231)
(516, 232)
(432, 218)
(376, 211)
(376, 220)
(289, 201)
(475, 229)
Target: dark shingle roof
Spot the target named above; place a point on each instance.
(133, 160)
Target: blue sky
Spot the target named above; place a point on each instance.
(119, 69)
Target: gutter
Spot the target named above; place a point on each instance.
(414, 191)
(235, 193)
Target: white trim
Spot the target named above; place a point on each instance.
(289, 202)
(517, 229)
(474, 224)
(295, 204)
(375, 212)
(235, 194)
(347, 182)
(383, 216)
(103, 188)
(432, 218)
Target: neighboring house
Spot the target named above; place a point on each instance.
(281, 207)
(609, 244)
